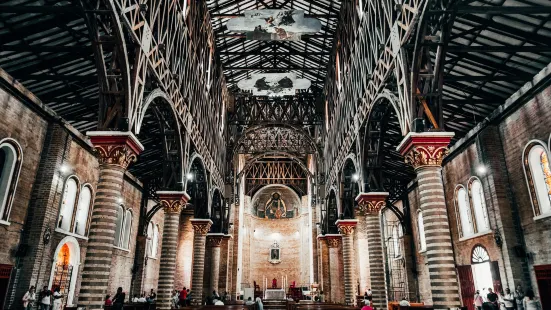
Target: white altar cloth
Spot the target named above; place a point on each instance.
(274, 294)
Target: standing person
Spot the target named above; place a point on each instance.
(188, 298)
(508, 300)
(45, 298)
(492, 298)
(175, 299)
(29, 298)
(519, 297)
(478, 300)
(369, 294)
(183, 297)
(118, 300)
(259, 304)
(530, 302)
(57, 299)
(108, 301)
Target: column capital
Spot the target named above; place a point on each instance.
(346, 227)
(425, 149)
(173, 201)
(215, 239)
(119, 148)
(372, 202)
(201, 226)
(333, 240)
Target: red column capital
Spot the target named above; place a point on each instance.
(371, 202)
(119, 148)
(173, 201)
(425, 148)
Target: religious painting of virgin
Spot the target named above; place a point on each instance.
(275, 257)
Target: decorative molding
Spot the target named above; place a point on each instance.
(173, 201)
(333, 241)
(116, 147)
(372, 202)
(201, 226)
(215, 239)
(346, 227)
(426, 149)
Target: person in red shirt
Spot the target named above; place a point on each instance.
(183, 296)
(108, 301)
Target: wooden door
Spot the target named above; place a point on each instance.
(467, 285)
(5, 274)
(496, 277)
(543, 277)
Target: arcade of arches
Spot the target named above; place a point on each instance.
(303, 151)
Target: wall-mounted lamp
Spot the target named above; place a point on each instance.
(481, 169)
(189, 176)
(64, 169)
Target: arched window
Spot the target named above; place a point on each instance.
(68, 201)
(396, 242)
(119, 226)
(150, 239)
(422, 238)
(480, 255)
(127, 229)
(10, 164)
(479, 205)
(538, 175)
(83, 209)
(155, 244)
(463, 212)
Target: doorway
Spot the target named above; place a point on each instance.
(5, 273)
(65, 269)
(543, 277)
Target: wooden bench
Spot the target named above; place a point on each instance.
(135, 306)
(413, 305)
(321, 306)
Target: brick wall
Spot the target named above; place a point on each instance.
(184, 256)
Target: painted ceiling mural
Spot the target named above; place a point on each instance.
(274, 25)
(273, 84)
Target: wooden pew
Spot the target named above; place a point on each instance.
(135, 306)
(394, 305)
(321, 306)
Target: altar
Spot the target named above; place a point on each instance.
(275, 294)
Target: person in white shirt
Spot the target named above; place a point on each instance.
(249, 302)
(135, 298)
(142, 298)
(404, 303)
(478, 300)
(218, 302)
(29, 298)
(57, 299)
(45, 298)
(508, 300)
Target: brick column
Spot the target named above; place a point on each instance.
(370, 205)
(362, 253)
(172, 202)
(224, 283)
(346, 228)
(323, 269)
(333, 242)
(215, 241)
(116, 151)
(200, 228)
(425, 152)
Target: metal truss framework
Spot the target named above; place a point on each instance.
(275, 171)
(131, 49)
(449, 62)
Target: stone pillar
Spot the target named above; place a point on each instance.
(200, 228)
(116, 151)
(362, 253)
(323, 269)
(172, 202)
(346, 228)
(333, 242)
(224, 282)
(425, 152)
(215, 241)
(369, 207)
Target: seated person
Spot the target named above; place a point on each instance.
(404, 303)
(367, 305)
(108, 301)
(142, 298)
(218, 302)
(249, 302)
(135, 298)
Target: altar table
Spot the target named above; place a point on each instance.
(275, 294)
